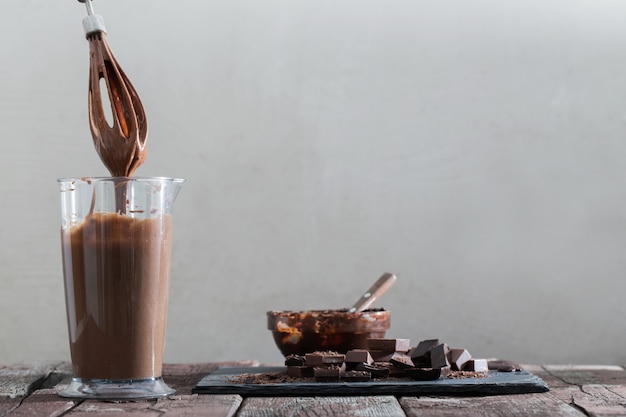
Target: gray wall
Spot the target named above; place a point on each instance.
(475, 148)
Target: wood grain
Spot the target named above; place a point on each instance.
(173, 406)
(46, 402)
(575, 391)
(7, 404)
(184, 376)
(43, 403)
(595, 389)
(386, 406)
(500, 406)
(600, 401)
(199, 405)
(588, 374)
(20, 380)
(95, 408)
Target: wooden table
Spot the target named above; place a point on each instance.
(31, 390)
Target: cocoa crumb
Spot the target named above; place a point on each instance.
(267, 378)
(283, 378)
(467, 374)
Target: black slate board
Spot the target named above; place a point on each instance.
(220, 382)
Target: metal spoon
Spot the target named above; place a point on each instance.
(374, 292)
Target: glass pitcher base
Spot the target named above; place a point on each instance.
(104, 389)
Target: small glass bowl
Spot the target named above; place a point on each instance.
(301, 332)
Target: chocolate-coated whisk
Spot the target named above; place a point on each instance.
(122, 145)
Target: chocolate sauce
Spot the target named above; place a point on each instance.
(117, 279)
(122, 145)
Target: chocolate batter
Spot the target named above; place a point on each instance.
(117, 280)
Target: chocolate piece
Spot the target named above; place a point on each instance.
(380, 356)
(394, 371)
(476, 365)
(359, 356)
(401, 360)
(300, 371)
(375, 371)
(421, 353)
(427, 374)
(295, 360)
(503, 366)
(355, 376)
(439, 356)
(326, 374)
(324, 358)
(389, 345)
(458, 358)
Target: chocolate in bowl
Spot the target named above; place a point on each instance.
(301, 332)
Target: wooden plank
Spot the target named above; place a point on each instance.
(575, 391)
(619, 390)
(598, 390)
(7, 404)
(558, 388)
(599, 401)
(588, 367)
(183, 377)
(173, 406)
(45, 400)
(539, 371)
(588, 374)
(386, 406)
(92, 408)
(21, 379)
(502, 406)
(199, 405)
(44, 403)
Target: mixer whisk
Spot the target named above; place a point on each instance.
(120, 144)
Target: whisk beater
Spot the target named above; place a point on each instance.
(122, 145)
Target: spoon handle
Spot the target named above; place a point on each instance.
(376, 291)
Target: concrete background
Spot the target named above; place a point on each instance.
(476, 149)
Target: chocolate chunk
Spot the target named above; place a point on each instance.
(355, 376)
(380, 356)
(401, 360)
(421, 352)
(458, 358)
(427, 374)
(359, 356)
(389, 345)
(326, 374)
(375, 371)
(476, 365)
(421, 362)
(394, 371)
(324, 358)
(300, 371)
(295, 360)
(503, 366)
(439, 356)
